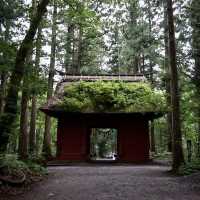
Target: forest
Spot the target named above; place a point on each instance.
(42, 41)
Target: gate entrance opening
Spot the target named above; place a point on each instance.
(103, 144)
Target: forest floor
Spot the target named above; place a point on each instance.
(113, 182)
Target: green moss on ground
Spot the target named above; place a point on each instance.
(101, 96)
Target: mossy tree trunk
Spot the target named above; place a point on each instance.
(8, 118)
(178, 157)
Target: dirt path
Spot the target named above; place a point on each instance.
(114, 183)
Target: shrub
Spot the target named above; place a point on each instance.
(9, 164)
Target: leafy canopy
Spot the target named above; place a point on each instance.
(101, 96)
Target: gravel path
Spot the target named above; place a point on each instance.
(114, 183)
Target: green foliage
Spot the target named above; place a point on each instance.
(12, 163)
(164, 156)
(36, 168)
(161, 138)
(103, 142)
(111, 97)
(84, 21)
(190, 168)
(7, 55)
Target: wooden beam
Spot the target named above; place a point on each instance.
(129, 78)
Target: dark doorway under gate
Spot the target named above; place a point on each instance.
(103, 144)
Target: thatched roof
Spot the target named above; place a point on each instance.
(69, 79)
(52, 109)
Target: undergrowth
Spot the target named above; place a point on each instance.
(190, 167)
(10, 166)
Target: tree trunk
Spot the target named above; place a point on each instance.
(196, 55)
(178, 157)
(73, 51)
(168, 78)
(79, 51)
(134, 68)
(198, 145)
(32, 138)
(10, 112)
(68, 49)
(47, 138)
(153, 145)
(4, 73)
(23, 139)
(32, 134)
(3, 91)
(24, 125)
(79, 42)
(198, 126)
(47, 134)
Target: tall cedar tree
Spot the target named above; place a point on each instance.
(23, 138)
(24, 115)
(32, 133)
(195, 16)
(47, 134)
(8, 118)
(150, 16)
(167, 78)
(178, 157)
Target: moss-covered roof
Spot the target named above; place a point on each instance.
(110, 96)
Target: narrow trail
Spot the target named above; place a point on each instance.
(114, 183)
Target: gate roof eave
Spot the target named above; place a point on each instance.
(63, 114)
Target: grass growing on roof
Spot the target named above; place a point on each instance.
(111, 96)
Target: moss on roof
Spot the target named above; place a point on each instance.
(101, 96)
